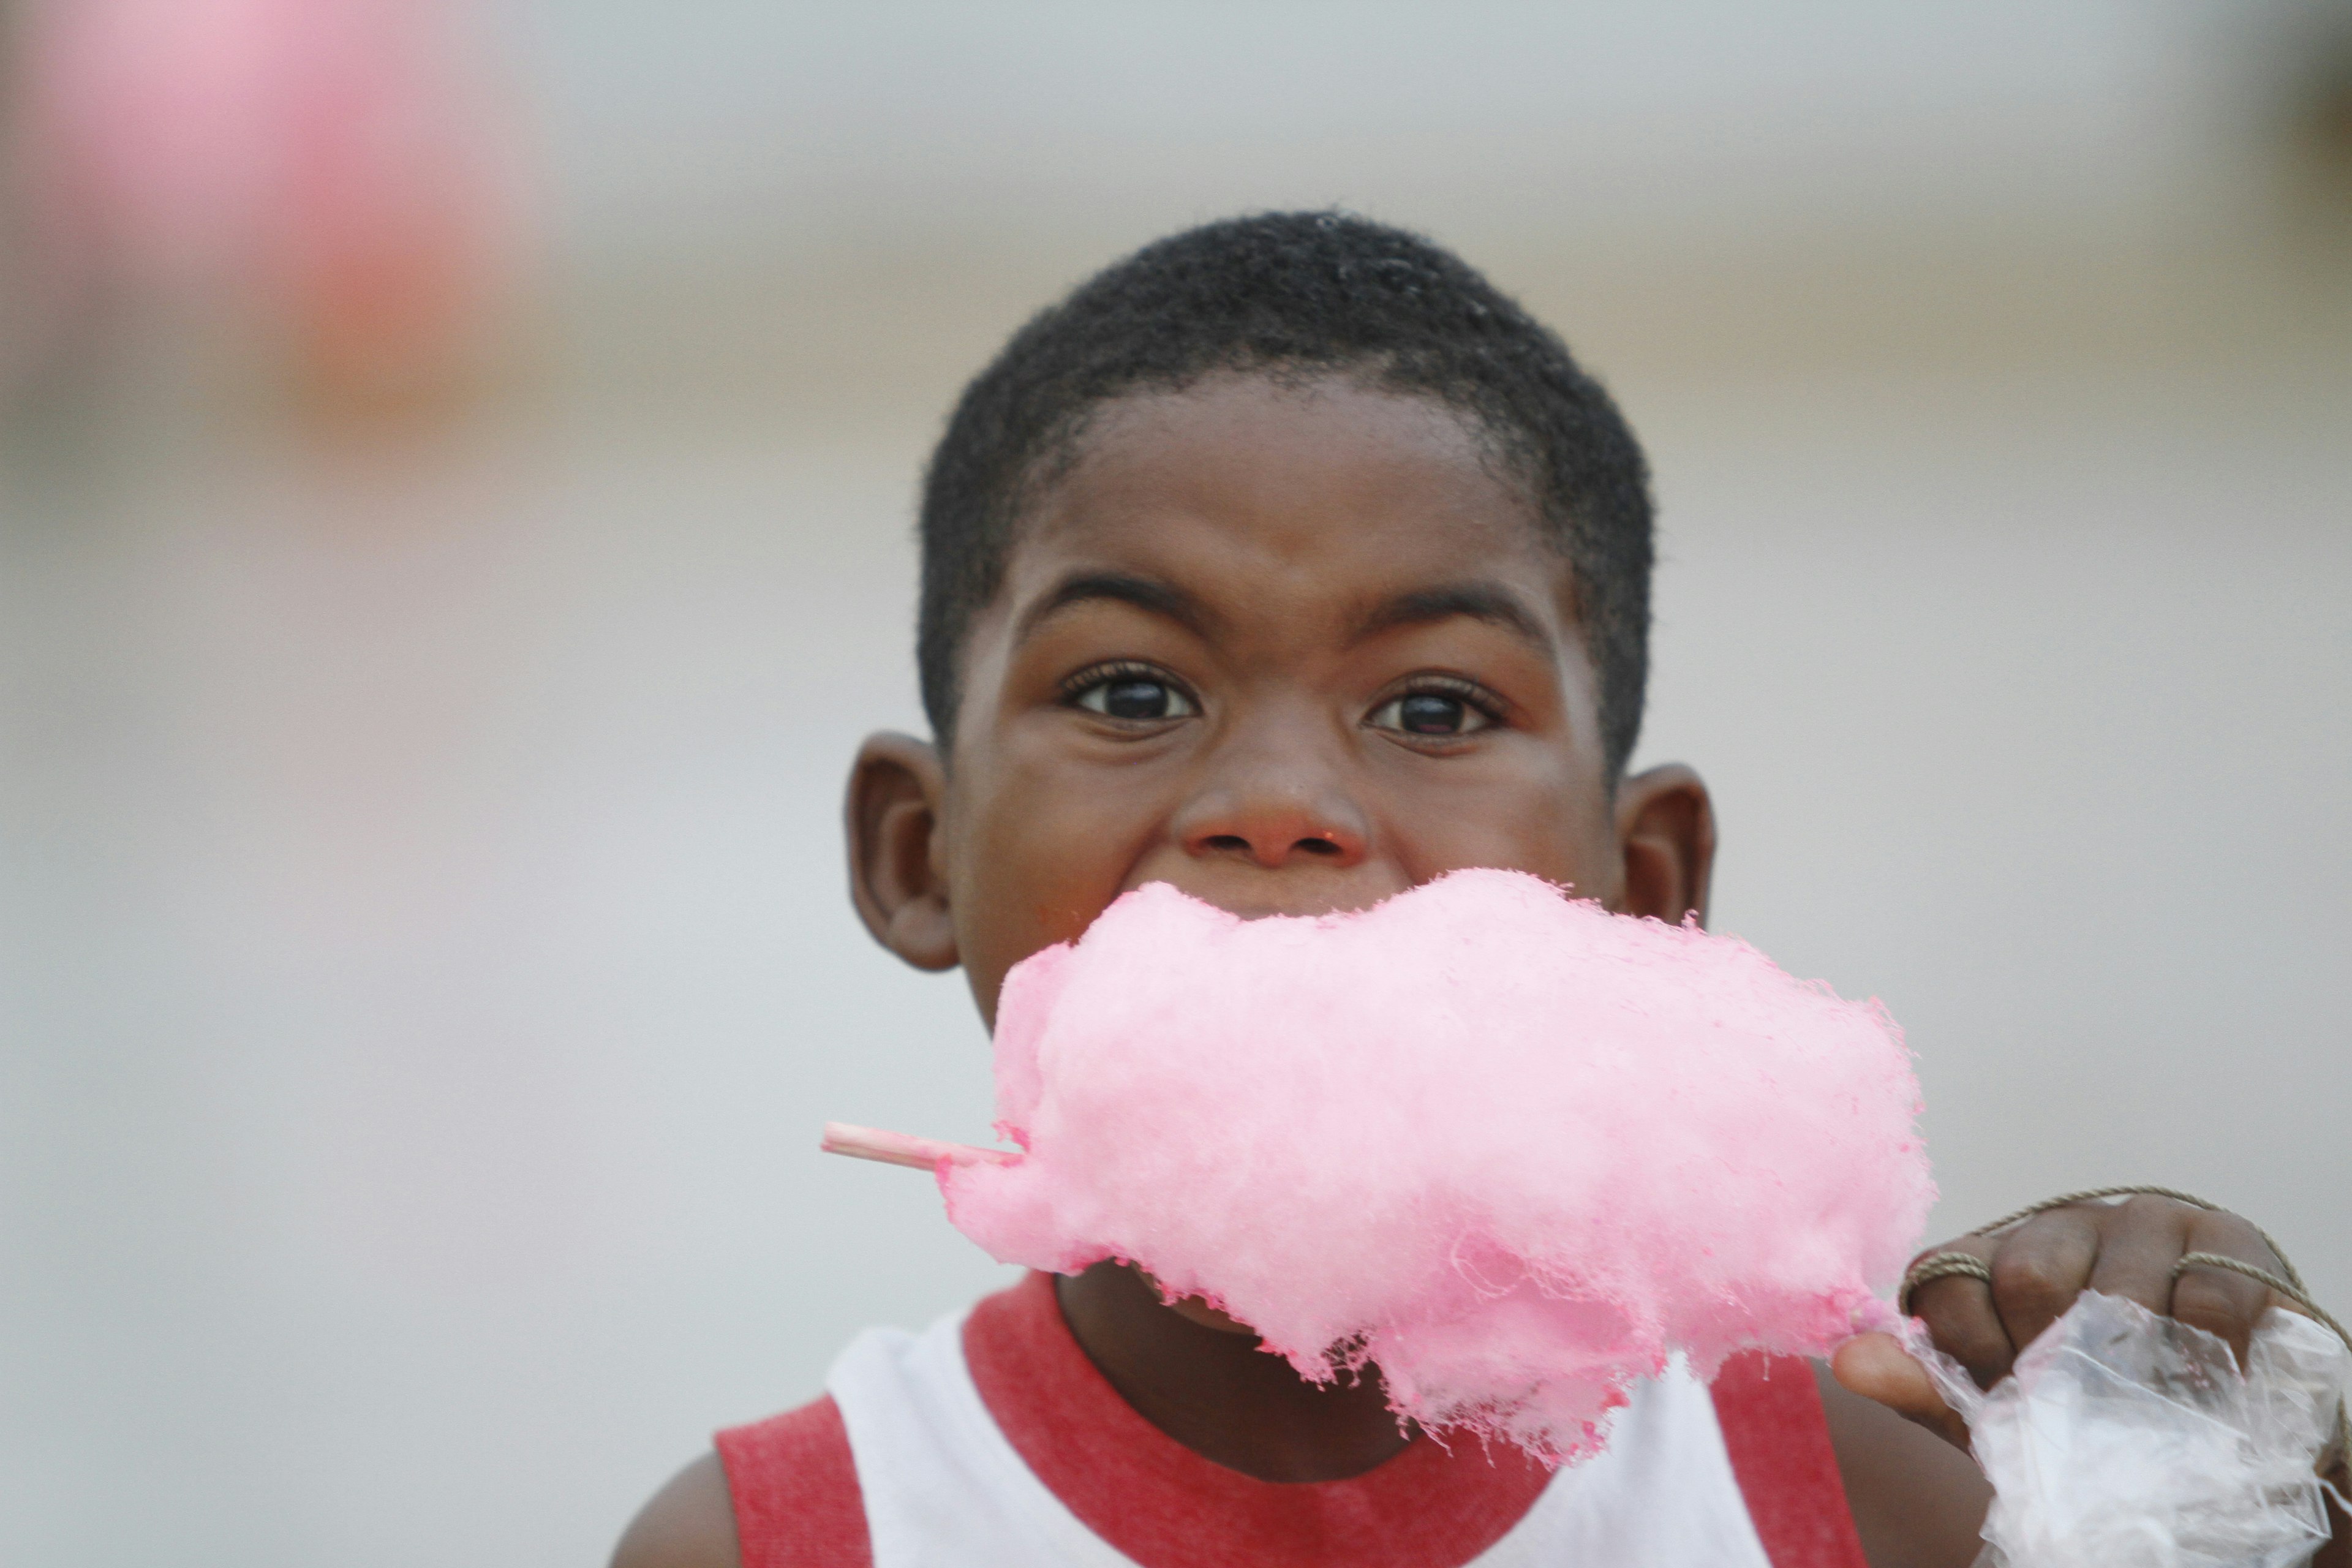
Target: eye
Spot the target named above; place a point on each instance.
(1436, 712)
(1136, 694)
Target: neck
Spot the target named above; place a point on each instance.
(1218, 1392)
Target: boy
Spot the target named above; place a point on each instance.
(1290, 562)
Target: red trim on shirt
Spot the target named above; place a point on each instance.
(1779, 1438)
(1166, 1507)
(797, 1503)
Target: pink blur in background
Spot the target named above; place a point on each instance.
(338, 175)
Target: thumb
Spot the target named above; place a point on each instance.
(1877, 1367)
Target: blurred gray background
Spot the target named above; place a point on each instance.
(423, 954)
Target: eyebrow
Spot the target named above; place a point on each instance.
(1164, 599)
(1488, 602)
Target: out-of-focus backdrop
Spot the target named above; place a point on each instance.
(455, 465)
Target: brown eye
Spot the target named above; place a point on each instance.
(1135, 698)
(1431, 713)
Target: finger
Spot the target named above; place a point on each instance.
(2139, 1241)
(2039, 1267)
(2216, 1300)
(1960, 1318)
(1877, 1367)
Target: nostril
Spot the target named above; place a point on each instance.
(1228, 841)
(1318, 847)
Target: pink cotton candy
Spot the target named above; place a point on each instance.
(1508, 1147)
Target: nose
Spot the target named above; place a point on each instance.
(1274, 805)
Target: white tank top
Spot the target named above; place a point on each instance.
(945, 1488)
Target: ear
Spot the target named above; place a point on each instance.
(898, 799)
(1666, 825)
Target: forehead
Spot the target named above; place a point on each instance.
(1324, 488)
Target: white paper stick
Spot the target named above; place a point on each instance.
(904, 1148)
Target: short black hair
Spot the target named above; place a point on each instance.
(1313, 291)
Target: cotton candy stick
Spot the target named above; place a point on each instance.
(904, 1148)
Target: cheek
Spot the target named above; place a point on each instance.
(1535, 813)
(1037, 852)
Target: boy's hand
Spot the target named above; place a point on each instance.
(2039, 1266)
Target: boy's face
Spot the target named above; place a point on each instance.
(1291, 648)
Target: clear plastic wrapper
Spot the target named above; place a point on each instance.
(2129, 1440)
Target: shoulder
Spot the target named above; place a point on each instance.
(780, 1493)
(689, 1523)
(1917, 1502)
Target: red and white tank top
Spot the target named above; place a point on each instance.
(991, 1441)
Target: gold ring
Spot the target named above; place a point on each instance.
(1941, 1266)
